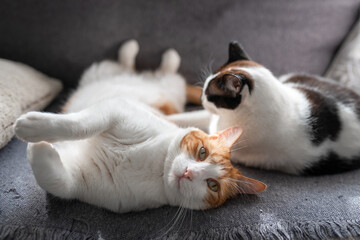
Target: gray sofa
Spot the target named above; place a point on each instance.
(61, 38)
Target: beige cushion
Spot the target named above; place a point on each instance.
(346, 65)
(22, 89)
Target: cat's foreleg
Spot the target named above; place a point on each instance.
(50, 127)
(200, 119)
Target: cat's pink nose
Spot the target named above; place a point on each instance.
(188, 174)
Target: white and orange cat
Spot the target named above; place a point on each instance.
(113, 148)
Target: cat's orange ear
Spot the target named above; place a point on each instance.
(250, 186)
(229, 136)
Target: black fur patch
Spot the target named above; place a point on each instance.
(223, 96)
(325, 121)
(324, 118)
(225, 101)
(236, 52)
(340, 93)
(332, 164)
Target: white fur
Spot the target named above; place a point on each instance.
(110, 149)
(274, 119)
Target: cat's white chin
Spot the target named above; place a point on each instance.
(182, 191)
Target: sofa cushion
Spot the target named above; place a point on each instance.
(345, 67)
(22, 89)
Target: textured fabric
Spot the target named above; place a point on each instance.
(346, 65)
(22, 89)
(61, 38)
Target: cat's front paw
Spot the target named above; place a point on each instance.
(34, 127)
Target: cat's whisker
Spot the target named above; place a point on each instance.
(237, 149)
(191, 218)
(174, 220)
(239, 142)
(199, 83)
(242, 188)
(181, 216)
(205, 72)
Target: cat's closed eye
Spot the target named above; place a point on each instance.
(213, 185)
(202, 153)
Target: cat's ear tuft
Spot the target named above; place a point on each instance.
(230, 135)
(250, 186)
(236, 52)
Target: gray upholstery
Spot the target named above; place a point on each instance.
(61, 38)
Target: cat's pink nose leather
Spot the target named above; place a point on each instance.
(188, 174)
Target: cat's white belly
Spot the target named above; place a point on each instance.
(121, 179)
(134, 87)
(113, 89)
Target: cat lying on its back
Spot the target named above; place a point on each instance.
(113, 148)
(299, 124)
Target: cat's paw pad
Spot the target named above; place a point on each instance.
(33, 127)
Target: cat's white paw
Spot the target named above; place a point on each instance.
(41, 152)
(170, 61)
(127, 53)
(48, 169)
(34, 127)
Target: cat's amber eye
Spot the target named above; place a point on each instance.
(213, 185)
(202, 153)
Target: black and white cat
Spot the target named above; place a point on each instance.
(297, 123)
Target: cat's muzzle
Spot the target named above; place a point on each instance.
(225, 91)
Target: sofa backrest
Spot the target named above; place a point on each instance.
(61, 38)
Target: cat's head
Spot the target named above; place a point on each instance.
(201, 175)
(235, 84)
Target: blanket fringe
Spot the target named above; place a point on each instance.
(339, 229)
(30, 232)
(319, 230)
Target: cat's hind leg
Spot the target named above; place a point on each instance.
(107, 68)
(127, 54)
(49, 170)
(170, 61)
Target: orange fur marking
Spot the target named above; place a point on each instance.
(193, 94)
(168, 108)
(231, 182)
